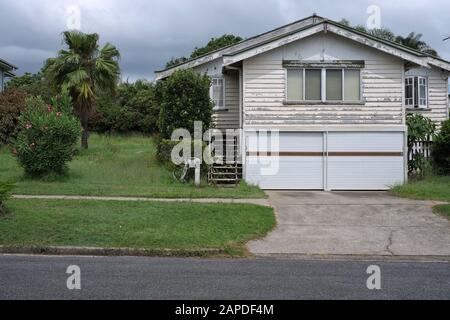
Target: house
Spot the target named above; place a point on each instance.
(6, 71)
(335, 98)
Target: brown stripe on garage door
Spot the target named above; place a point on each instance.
(330, 154)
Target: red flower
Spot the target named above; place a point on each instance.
(28, 126)
(49, 108)
(58, 114)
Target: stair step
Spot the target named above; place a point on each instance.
(225, 179)
(224, 173)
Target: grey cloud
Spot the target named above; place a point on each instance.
(148, 33)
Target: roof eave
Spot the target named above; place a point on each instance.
(7, 65)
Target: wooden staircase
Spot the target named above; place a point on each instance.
(226, 171)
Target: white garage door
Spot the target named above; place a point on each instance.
(331, 161)
(299, 164)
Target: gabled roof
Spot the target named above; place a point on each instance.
(301, 29)
(6, 66)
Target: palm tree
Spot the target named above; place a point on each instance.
(413, 40)
(84, 70)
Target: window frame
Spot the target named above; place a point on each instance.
(211, 93)
(323, 98)
(416, 104)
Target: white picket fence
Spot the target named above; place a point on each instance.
(422, 147)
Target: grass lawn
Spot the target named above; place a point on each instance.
(431, 188)
(443, 210)
(133, 224)
(117, 166)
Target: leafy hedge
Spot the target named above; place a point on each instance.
(12, 103)
(420, 128)
(441, 149)
(133, 109)
(48, 136)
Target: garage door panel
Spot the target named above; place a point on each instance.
(301, 142)
(365, 141)
(364, 173)
(293, 173)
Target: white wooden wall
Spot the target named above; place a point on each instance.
(229, 118)
(437, 94)
(265, 89)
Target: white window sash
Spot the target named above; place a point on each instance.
(211, 92)
(323, 83)
(424, 98)
(422, 101)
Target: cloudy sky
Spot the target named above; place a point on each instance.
(150, 32)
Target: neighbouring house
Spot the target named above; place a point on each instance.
(338, 98)
(6, 71)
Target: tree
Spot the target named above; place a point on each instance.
(84, 70)
(175, 61)
(212, 45)
(413, 40)
(383, 33)
(215, 44)
(183, 99)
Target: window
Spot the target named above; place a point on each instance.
(313, 84)
(295, 84)
(416, 92)
(217, 92)
(334, 84)
(323, 85)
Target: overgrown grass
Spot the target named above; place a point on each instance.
(134, 224)
(429, 188)
(443, 210)
(117, 166)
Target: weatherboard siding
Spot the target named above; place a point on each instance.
(265, 86)
(229, 118)
(437, 94)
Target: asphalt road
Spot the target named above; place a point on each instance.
(44, 277)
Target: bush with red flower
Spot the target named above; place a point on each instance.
(48, 136)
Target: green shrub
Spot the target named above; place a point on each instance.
(420, 128)
(33, 84)
(183, 99)
(48, 136)
(133, 109)
(5, 194)
(441, 149)
(12, 103)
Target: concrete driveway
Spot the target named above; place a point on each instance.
(353, 223)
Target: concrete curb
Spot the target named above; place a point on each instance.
(93, 251)
(352, 257)
(261, 202)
